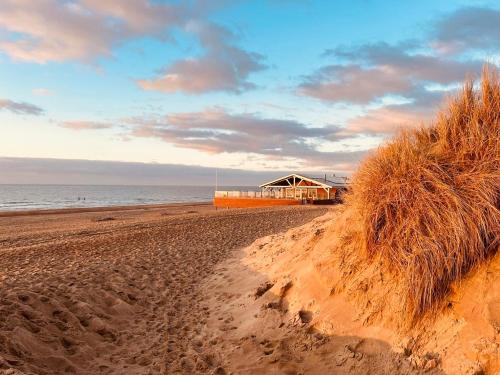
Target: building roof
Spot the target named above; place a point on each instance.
(335, 181)
(322, 182)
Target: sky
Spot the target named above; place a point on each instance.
(104, 90)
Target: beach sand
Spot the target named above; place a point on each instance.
(120, 290)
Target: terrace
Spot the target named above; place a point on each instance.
(288, 190)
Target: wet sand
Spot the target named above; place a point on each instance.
(121, 290)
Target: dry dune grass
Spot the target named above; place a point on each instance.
(427, 203)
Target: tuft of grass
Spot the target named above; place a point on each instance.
(427, 202)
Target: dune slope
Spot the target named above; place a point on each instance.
(426, 204)
(284, 305)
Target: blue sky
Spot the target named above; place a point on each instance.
(259, 85)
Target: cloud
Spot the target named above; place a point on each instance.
(85, 125)
(45, 31)
(20, 107)
(216, 132)
(387, 120)
(222, 67)
(353, 83)
(365, 73)
(405, 75)
(53, 30)
(468, 28)
(140, 16)
(378, 70)
(67, 171)
(404, 59)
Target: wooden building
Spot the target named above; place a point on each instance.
(295, 186)
(293, 189)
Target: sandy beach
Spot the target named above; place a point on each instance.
(186, 289)
(249, 187)
(119, 291)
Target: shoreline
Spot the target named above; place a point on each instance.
(74, 210)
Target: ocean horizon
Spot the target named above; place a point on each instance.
(15, 197)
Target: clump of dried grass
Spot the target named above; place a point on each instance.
(427, 203)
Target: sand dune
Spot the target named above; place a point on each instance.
(282, 306)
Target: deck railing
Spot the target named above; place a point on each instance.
(246, 194)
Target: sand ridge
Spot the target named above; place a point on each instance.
(263, 321)
(285, 305)
(118, 292)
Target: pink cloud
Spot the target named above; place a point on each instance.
(20, 108)
(385, 121)
(85, 125)
(366, 73)
(81, 30)
(468, 28)
(216, 131)
(222, 67)
(354, 84)
(51, 30)
(140, 15)
(208, 73)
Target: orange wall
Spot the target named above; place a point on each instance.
(322, 194)
(253, 202)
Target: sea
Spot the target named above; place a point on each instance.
(29, 197)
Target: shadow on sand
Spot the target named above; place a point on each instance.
(248, 329)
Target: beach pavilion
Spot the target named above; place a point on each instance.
(296, 186)
(293, 189)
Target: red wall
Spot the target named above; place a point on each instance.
(253, 202)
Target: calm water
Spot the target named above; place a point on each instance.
(25, 197)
